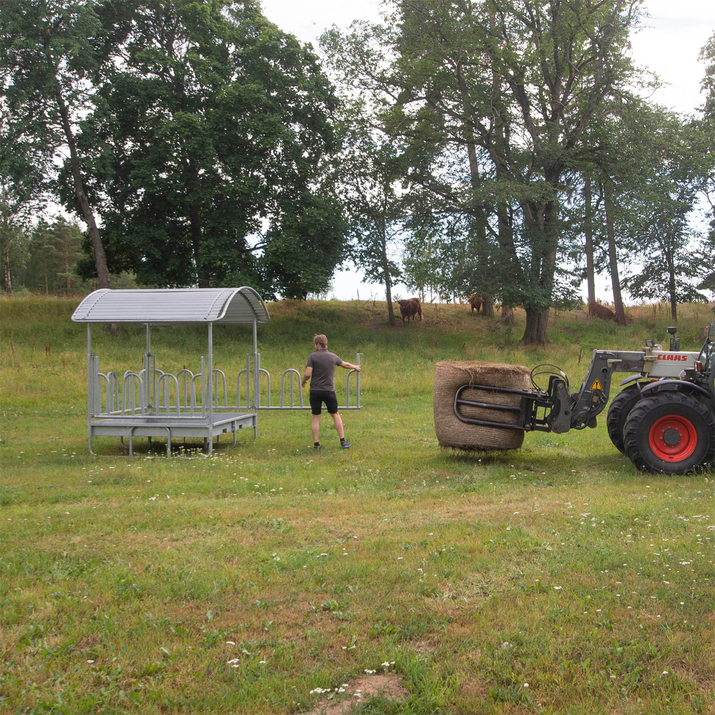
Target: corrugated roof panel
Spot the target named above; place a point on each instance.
(173, 305)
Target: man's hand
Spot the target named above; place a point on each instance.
(306, 376)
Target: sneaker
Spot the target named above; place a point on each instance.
(345, 445)
(317, 446)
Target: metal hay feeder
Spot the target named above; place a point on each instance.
(152, 403)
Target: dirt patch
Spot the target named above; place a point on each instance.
(342, 700)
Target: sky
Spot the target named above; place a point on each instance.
(668, 44)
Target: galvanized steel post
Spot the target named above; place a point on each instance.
(209, 386)
(256, 367)
(90, 387)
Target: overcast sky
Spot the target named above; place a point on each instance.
(668, 44)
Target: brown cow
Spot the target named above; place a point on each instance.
(476, 302)
(596, 310)
(410, 308)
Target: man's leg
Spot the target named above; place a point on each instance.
(315, 428)
(338, 425)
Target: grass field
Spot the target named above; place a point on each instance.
(552, 579)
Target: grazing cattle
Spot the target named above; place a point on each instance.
(596, 310)
(476, 302)
(410, 308)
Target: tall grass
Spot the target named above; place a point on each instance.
(551, 579)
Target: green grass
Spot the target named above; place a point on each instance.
(240, 583)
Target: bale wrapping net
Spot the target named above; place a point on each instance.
(451, 431)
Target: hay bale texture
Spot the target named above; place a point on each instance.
(451, 431)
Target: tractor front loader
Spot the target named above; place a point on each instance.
(663, 419)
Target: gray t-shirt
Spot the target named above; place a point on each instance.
(323, 363)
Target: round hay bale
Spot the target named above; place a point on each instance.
(451, 431)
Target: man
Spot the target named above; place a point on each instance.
(320, 370)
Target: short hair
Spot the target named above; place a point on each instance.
(320, 340)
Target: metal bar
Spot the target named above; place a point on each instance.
(508, 390)
(152, 361)
(238, 388)
(150, 384)
(216, 374)
(203, 386)
(90, 396)
(487, 423)
(292, 372)
(304, 407)
(248, 380)
(256, 366)
(210, 373)
(111, 403)
(268, 382)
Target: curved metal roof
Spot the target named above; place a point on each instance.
(227, 306)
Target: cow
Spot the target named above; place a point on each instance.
(476, 302)
(410, 308)
(596, 310)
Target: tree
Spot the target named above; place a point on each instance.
(48, 50)
(208, 142)
(368, 174)
(649, 185)
(704, 149)
(495, 98)
(23, 188)
(55, 251)
(13, 241)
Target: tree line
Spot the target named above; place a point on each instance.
(498, 146)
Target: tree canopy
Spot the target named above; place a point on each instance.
(493, 99)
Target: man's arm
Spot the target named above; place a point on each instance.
(306, 375)
(349, 366)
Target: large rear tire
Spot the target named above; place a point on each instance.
(670, 432)
(618, 413)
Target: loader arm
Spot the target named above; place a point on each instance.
(592, 398)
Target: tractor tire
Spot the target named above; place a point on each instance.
(671, 432)
(618, 413)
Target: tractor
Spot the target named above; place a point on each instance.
(663, 419)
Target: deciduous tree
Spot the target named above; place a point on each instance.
(208, 147)
(48, 51)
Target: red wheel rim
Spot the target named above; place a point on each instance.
(673, 438)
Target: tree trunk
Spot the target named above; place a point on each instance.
(196, 240)
(536, 331)
(6, 267)
(487, 306)
(386, 273)
(507, 314)
(100, 258)
(613, 257)
(542, 219)
(485, 285)
(671, 287)
(67, 271)
(588, 231)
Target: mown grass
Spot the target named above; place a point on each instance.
(553, 579)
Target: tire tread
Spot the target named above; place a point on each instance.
(615, 421)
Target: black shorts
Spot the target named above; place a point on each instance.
(317, 398)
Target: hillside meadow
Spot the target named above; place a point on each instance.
(394, 577)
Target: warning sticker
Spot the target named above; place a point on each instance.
(597, 385)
